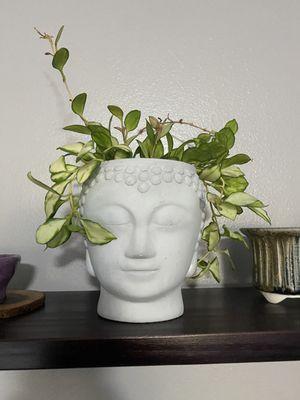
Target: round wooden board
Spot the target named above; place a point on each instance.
(20, 302)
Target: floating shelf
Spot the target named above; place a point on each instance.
(219, 326)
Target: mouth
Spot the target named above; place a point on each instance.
(140, 270)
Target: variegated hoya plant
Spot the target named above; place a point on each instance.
(208, 151)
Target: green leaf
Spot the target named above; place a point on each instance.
(49, 229)
(233, 185)
(211, 174)
(116, 111)
(114, 141)
(145, 148)
(96, 233)
(159, 150)
(154, 122)
(205, 152)
(227, 210)
(78, 128)
(132, 138)
(78, 104)
(211, 235)
(214, 269)
(233, 171)
(170, 142)
(71, 168)
(60, 58)
(213, 198)
(86, 171)
(39, 183)
(58, 165)
(53, 199)
(85, 149)
(58, 35)
(233, 125)
(234, 235)
(237, 159)
(60, 176)
(60, 238)
(117, 152)
(166, 127)
(192, 154)
(226, 137)
(72, 148)
(241, 199)
(258, 204)
(101, 136)
(261, 213)
(132, 120)
(150, 132)
(203, 138)
(74, 228)
(176, 154)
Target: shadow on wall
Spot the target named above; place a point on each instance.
(71, 253)
(238, 275)
(23, 276)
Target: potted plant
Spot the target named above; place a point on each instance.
(276, 262)
(141, 203)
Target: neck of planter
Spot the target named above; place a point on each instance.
(164, 308)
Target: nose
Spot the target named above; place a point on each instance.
(140, 244)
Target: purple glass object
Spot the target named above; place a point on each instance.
(8, 264)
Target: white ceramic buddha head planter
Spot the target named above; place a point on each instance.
(155, 209)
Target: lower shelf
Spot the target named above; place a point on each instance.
(219, 326)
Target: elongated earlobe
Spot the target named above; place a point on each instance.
(205, 215)
(88, 263)
(193, 267)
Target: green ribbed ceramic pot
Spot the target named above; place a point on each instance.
(276, 259)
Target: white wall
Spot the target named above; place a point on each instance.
(204, 60)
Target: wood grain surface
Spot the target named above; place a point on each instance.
(219, 326)
(19, 302)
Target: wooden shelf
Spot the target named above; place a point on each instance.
(219, 326)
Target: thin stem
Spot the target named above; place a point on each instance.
(48, 37)
(132, 138)
(181, 122)
(66, 86)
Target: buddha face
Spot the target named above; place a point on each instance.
(153, 208)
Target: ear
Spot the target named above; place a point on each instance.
(88, 261)
(193, 267)
(204, 218)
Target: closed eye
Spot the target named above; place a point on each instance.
(169, 216)
(114, 215)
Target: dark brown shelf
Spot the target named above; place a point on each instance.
(219, 326)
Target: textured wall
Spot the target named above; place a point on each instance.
(204, 60)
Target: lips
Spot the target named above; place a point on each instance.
(131, 268)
